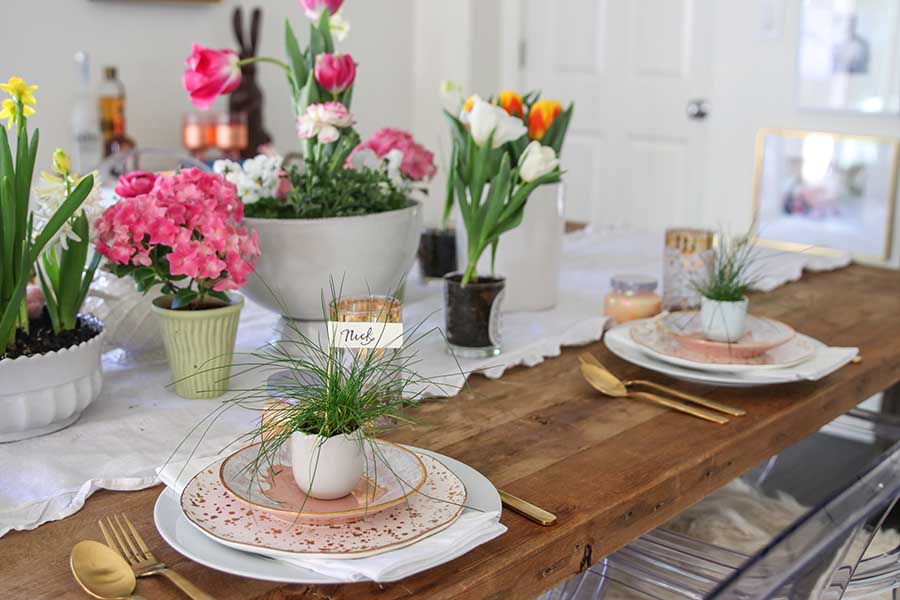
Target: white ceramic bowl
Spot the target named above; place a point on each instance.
(299, 258)
(44, 393)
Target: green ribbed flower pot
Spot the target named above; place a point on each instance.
(199, 345)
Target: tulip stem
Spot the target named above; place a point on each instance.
(255, 59)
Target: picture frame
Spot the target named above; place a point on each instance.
(848, 56)
(825, 192)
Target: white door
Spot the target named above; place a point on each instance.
(632, 67)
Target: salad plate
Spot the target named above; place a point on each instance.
(762, 335)
(391, 475)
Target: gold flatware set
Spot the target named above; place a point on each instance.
(601, 379)
(110, 571)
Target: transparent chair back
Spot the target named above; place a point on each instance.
(146, 159)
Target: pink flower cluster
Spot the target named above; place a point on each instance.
(191, 220)
(418, 162)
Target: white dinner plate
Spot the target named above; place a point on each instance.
(618, 341)
(185, 538)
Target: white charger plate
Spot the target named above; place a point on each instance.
(186, 539)
(618, 341)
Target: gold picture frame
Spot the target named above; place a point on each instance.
(829, 199)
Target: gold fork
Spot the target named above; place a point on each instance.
(127, 541)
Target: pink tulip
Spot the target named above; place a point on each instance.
(335, 72)
(209, 74)
(135, 183)
(314, 8)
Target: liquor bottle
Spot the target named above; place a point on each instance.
(112, 113)
(87, 144)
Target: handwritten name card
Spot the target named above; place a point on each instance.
(365, 335)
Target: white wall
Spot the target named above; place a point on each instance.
(149, 40)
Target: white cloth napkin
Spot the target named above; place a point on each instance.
(470, 530)
(827, 360)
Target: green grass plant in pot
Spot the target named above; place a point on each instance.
(346, 211)
(49, 351)
(723, 292)
(186, 236)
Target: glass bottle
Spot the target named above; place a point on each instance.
(87, 144)
(112, 113)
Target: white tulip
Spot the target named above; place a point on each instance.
(536, 161)
(486, 118)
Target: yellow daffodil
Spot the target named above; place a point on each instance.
(61, 162)
(20, 91)
(8, 111)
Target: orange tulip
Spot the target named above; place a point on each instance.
(467, 107)
(541, 116)
(511, 103)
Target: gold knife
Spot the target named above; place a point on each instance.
(527, 509)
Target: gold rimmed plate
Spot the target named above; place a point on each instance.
(392, 474)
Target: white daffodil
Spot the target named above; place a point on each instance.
(51, 195)
(487, 118)
(536, 161)
(339, 26)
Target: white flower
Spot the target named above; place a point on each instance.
(52, 195)
(536, 161)
(324, 121)
(392, 162)
(365, 159)
(338, 26)
(487, 118)
(256, 179)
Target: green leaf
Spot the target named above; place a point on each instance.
(183, 297)
(8, 239)
(325, 30)
(71, 271)
(11, 310)
(63, 214)
(50, 299)
(298, 74)
(88, 278)
(556, 133)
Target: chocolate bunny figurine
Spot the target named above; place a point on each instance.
(248, 98)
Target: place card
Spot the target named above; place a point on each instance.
(369, 334)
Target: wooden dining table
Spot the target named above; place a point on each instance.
(610, 469)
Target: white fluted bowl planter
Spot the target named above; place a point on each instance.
(127, 316)
(44, 393)
(299, 258)
(199, 346)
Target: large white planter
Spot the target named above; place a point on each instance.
(299, 258)
(723, 321)
(47, 392)
(127, 315)
(528, 256)
(327, 468)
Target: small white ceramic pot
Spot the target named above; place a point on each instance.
(327, 468)
(44, 393)
(723, 321)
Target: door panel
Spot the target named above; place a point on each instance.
(631, 67)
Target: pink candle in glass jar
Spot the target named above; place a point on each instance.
(632, 297)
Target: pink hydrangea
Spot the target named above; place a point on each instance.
(418, 162)
(189, 225)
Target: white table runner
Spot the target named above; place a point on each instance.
(136, 423)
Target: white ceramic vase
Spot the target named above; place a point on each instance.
(301, 258)
(529, 256)
(723, 321)
(327, 468)
(127, 316)
(44, 393)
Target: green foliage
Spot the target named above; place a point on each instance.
(19, 249)
(321, 192)
(730, 273)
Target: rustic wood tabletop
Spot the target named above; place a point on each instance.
(611, 469)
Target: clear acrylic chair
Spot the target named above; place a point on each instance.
(820, 555)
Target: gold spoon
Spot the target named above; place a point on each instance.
(102, 572)
(606, 383)
(588, 358)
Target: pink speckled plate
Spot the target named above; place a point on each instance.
(218, 514)
(392, 474)
(659, 343)
(762, 335)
